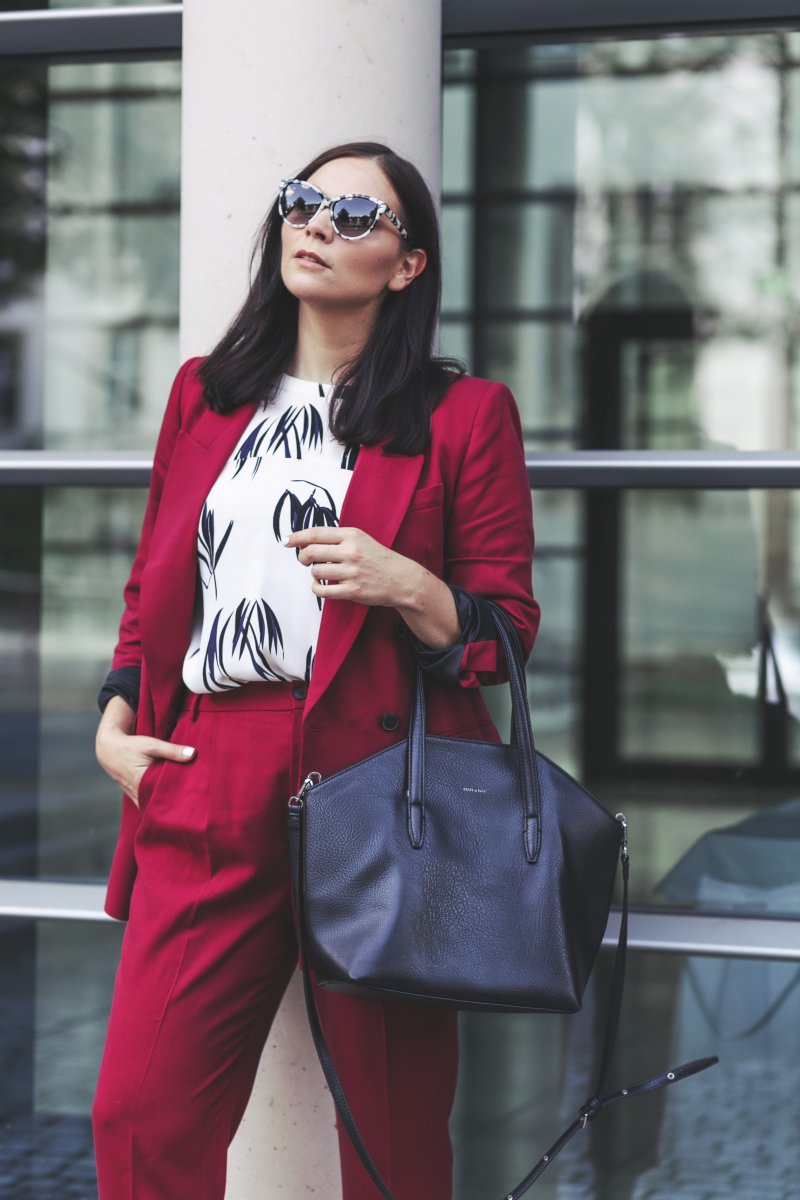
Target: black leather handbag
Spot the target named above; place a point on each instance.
(447, 871)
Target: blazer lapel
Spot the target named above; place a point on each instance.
(198, 458)
(376, 501)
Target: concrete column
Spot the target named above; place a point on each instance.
(265, 87)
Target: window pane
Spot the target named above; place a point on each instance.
(88, 252)
(457, 238)
(523, 1079)
(538, 362)
(530, 246)
(67, 553)
(637, 191)
(666, 676)
(57, 983)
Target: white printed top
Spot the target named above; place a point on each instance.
(256, 617)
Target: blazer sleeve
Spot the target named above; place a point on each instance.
(128, 652)
(488, 546)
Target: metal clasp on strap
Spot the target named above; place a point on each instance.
(311, 780)
(589, 1111)
(623, 822)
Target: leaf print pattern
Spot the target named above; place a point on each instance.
(299, 426)
(349, 458)
(254, 626)
(304, 514)
(286, 432)
(215, 675)
(207, 556)
(243, 568)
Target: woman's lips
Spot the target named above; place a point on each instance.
(311, 260)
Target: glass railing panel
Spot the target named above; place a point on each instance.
(524, 1078)
(58, 978)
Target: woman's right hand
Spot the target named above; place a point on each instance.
(124, 755)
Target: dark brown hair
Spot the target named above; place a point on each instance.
(390, 390)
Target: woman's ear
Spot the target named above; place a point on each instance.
(410, 266)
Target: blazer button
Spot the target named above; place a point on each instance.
(400, 627)
(300, 691)
(389, 722)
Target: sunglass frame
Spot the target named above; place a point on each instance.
(328, 202)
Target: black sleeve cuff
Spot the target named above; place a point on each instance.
(124, 682)
(477, 625)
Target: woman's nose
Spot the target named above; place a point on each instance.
(320, 225)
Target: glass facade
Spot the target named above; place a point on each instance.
(88, 253)
(622, 246)
(89, 258)
(523, 1080)
(621, 243)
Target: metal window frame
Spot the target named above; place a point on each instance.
(78, 33)
(553, 20)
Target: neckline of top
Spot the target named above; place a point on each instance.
(308, 387)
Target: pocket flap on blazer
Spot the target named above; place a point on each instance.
(427, 497)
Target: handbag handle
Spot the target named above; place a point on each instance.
(521, 743)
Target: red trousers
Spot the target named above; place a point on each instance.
(208, 951)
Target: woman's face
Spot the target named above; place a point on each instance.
(324, 270)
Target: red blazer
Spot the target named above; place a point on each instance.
(462, 509)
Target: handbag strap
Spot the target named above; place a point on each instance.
(521, 743)
(587, 1112)
(768, 657)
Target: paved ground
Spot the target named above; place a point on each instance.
(47, 1158)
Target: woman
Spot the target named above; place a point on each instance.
(328, 501)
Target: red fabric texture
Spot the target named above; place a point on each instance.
(462, 510)
(207, 953)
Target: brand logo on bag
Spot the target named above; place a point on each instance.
(472, 789)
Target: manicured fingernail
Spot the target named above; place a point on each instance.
(187, 751)
(286, 540)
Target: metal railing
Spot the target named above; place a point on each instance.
(81, 33)
(665, 933)
(640, 469)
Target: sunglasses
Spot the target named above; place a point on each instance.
(352, 216)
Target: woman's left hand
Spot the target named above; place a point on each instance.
(348, 564)
(355, 567)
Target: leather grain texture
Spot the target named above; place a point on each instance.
(458, 872)
(465, 919)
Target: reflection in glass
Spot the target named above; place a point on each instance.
(523, 1079)
(88, 252)
(633, 274)
(57, 983)
(591, 168)
(664, 673)
(689, 601)
(66, 555)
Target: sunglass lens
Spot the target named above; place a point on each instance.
(354, 215)
(299, 202)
